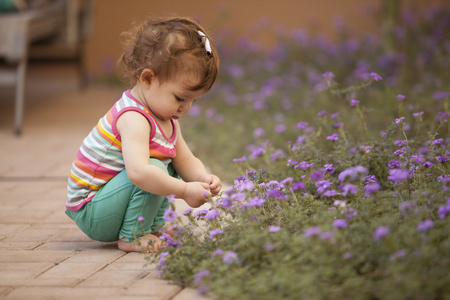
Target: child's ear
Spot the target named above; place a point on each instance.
(147, 77)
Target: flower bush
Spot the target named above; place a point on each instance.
(342, 188)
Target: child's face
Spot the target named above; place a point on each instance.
(171, 99)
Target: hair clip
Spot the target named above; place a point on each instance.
(207, 44)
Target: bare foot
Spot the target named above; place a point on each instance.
(148, 243)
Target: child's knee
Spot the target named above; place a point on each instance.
(160, 164)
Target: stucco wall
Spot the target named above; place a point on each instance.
(241, 16)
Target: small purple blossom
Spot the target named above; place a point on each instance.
(328, 75)
(217, 252)
(398, 175)
(354, 173)
(323, 185)
(321, 113)
(375, 76)
(330, 193)
(302, 125)
(298, 185)
(372, 188)
(212, 214)
(316, 175)
(438, 141)
(312, 231)
(243, 158)
(398, 254)
(214, 232)
(394, 164)
(270, 247)
(442, 158)
(340, 223)
(399, 121)
(417, 115)
(141, 219)
(198, 279)
(230, 258)
(380, 232)
(425, 225)
(400, 97)
(274, 228)
(333, 137)
(170, 215)
(326, 235)
(329, 168)
(349, 189)
(354, 102)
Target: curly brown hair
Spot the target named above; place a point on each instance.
(168, 46)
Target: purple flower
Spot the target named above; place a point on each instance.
(243, 158)
(400, 97)
(302, 125)
(214, 232)
(212, 214)
(322, 185)
(321, 113)
(326, 235)
(198, 279)
(274, 228)
(230, 258)
(442, 158)
(438, 141)
(330, 193)
(217, 252)
(328, 75)
(354, 102)
(141, 219)
(329, 168)
(340, 223)
(354, 173)
(417, 115)
(349, 188)
(372, 188)
(399, 121)
(380, 232)
(170, 215)
(298, 185)
(425, 225)
(333, 137)
(312, 231)
(280, 128)
(393, 164)
(375, 76)
(258, 132)
(270, 247)
(397, 254)
(398, 175)
(316, 175)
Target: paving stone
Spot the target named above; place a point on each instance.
(37, 293)
(24, 216)
(25, 256)
(152, 288)
(8, 229)
(21, 273)
(189, 294)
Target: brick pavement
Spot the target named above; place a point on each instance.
(43, 255)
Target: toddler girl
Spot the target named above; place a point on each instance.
(133, 159)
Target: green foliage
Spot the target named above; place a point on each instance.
(335, 198)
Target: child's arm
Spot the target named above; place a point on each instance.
(134, 130)
(190, 168)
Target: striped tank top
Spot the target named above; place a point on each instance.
(100, 156)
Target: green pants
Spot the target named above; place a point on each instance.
(114, 211)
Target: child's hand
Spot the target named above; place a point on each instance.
(215, 185)
(196, 194)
